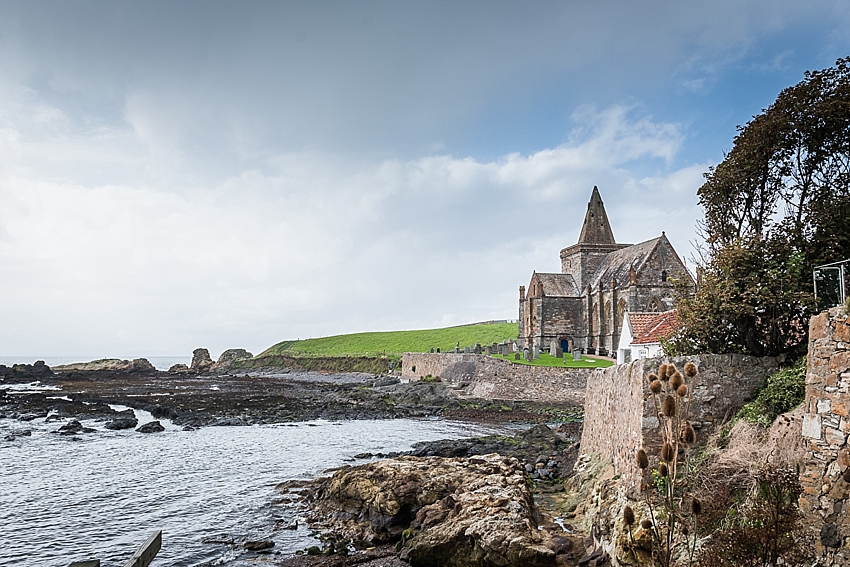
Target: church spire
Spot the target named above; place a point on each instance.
(596, 229)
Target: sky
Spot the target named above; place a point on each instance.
(176, 175)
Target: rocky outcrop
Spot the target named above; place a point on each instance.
(123, 420)
(201, 361)
(178, 369)
(468, 512)
(137, 365)
(229, 358)
(19, 373)
(151, 427)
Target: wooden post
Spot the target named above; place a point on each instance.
(145, 554)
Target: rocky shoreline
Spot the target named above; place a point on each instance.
(224, 397)
(530, 461)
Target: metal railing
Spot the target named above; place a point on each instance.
(832, 282)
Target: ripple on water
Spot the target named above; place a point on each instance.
(100, 497)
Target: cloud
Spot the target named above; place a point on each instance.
(314, 244)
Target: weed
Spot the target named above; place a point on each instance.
(783, 391)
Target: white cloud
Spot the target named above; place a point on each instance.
(316, 243)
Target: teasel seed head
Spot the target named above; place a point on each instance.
(696, 507)
(655, 387)
(652, 377)
(682, 391)
(676, 380)
(662, 469)
(643, 460)
(662, 373)
(690, 369)
(629, 516)
(669, 407)
(667, 452)
(645, 524)
(688, 434)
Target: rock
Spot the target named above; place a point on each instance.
(201, 361)
(137, 365)
(151, 427)
(178, 369)
(460, 512)
(258, 545)
(71, 428)
(229, 358)
(23, 373)
(122, 423)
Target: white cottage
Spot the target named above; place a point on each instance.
(642, 333)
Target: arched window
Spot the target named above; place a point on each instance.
(653, 305)
(663, 275)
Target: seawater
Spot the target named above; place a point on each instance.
(64, 500)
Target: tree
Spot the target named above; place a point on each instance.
(776, 207)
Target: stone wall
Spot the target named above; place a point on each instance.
(486, 377)
(825, 428)
(620, 415)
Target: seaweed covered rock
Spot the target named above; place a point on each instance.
(453, 512)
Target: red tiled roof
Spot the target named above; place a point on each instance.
(655, 328)
(640, 321)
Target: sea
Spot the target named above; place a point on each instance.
(101, 494)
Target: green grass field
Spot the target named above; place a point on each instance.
(394, 343)
(548, 360)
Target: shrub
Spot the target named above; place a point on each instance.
(783, 391)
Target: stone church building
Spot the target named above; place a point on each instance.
(582, 308)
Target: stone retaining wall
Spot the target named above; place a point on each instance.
(620, 415)
(825, 428)
(486, 377)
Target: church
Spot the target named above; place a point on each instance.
(583, 307)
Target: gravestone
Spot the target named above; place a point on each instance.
(553, 348)
(477, 348)
(494, 347)
(516, 356)
(432, 350)
(526, 354)
(457, 348)
(577, 354)
(501, 349)
(438, 349)
(466, 350)
(536, 352)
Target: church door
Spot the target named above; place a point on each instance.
(565, 345)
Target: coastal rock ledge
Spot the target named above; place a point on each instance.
(459, 512)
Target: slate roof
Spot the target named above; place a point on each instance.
(557, 285)
(618, 263)
(653, 329)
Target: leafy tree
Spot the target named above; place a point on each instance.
(776, 207)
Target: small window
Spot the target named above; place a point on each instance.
(663, 275)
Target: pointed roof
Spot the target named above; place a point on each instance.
(618, 264)
(596, 228)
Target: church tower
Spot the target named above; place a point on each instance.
(596, 241)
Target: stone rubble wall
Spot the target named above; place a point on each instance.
(620, 415)
(486, 377)
(825, 428)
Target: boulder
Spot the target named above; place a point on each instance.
(151, 427)
(258, 545)
(123, 420)
(229, 357)
(454, 512)
(201, 360)
(179, 368)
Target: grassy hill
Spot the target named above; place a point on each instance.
(394, 343)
